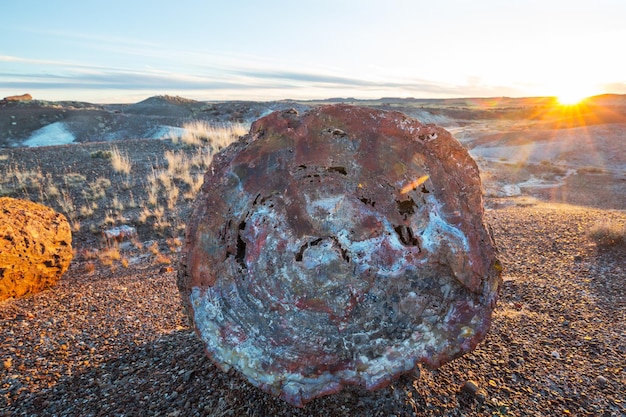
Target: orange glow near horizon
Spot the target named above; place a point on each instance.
(571, 99)
(571, 94)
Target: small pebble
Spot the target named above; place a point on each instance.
(481, 395)
(187, 376)
(471, 387)
(601, 381)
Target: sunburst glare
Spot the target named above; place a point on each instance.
(571, 98)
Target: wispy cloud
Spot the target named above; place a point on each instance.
(223, 76)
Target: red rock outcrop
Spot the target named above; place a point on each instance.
(339, 247)
(35, 247)
(23, 97)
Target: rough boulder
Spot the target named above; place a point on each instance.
(35, 247)
(23, 97)
(343, 246)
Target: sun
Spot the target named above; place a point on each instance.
(571, 98)
(573, 95)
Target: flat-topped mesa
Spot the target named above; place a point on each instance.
(338, 247)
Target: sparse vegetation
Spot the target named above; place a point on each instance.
(97, 189)
(95, 198)
(74, 179)
(590, 170)
(87, 210)
(110, 253)
(199, 132)
(102, 154)
(550, 167)
(608, 233)
(120, 161)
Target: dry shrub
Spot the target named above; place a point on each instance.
(86, 211)
(199, 132)
(75, 225)
(172, 197)
(174, 243)
(161, 259)
(120, 162)
(117, 204)
(89, 267)
(177, 163)
(195, 184)
(110, 254)
(97, 189)
(608, 233)
(66, 202)
(202, 158)
(591, 170)
(154, 248)
(144, 215)
(51, 190)
(74, 179)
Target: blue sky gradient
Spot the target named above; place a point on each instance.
(125, 51)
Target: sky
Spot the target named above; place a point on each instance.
(125, 51)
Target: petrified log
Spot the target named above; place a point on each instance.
(35, 247)
(23, 97)
(341, 246)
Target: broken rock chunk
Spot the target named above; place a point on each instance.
(35, 247)
(338, 247)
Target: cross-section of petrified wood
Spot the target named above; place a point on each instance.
(341, 246)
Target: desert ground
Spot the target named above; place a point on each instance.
(111, 339)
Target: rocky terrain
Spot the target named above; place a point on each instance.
(22, 123)
(523, 145)
(111, 338)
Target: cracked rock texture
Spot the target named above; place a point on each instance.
(35, 247)
(342, 246)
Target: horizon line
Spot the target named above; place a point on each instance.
(337, 98)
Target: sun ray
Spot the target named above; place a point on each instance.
(571, 98)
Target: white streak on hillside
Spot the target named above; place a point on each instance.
(53, 134)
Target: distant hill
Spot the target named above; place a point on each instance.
(75, 121)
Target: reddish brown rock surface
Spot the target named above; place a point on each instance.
(35, 247)
(23, 97)
(342, 246)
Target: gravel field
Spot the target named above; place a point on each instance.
(114, 341)
(110, 339)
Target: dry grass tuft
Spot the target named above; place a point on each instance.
(608, 233)
(110, 254)
(199, 132)
(89, 267)
(120, 162)
(74, 179)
